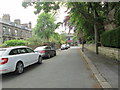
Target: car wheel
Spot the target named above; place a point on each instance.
(19, 68)
(39, 60)
(48, 56)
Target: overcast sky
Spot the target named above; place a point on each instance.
(16, 11)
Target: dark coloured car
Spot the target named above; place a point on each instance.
(46, 51)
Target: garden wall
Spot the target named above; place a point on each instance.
(113, 53)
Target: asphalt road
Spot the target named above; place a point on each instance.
(66, 70)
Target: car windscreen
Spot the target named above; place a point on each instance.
(2, 51)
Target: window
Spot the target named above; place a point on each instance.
(30, 50)
(48, 48)
(14, 52)
(9, 31)
(4, 30)
(16, 33)
(23, 50)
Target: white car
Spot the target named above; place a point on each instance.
(17, 58)
(68, 46)
(64, 46)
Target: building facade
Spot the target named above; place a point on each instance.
(70, 39)
(13, 30)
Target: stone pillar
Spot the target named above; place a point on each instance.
(30, 25)
(17, 21)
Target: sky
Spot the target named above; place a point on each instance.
(16, 11)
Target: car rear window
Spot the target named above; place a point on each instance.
(2, 51)
(63, 45)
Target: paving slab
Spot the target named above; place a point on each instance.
(104, 69)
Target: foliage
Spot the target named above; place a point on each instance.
(58, 38)
(34, 40)
(43, 6)
(81, 23)
(2, 45)
(111, 38)
(84, 15)
(44, 30)
(117, 14)
(46, 7)
(15, 43)
(45, 26)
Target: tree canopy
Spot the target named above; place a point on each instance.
(83, 15)
(45, 26)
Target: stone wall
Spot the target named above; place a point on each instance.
(113, 53)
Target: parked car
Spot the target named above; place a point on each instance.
(46, 51)
(64, 46)
(68, 46)
(17, 58)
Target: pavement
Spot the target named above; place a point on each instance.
(104, 69)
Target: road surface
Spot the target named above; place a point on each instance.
(66, 70)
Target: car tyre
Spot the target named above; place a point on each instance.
(55, 54)
(19, 68)
(39, 60)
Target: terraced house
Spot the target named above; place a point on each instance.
(13, 30)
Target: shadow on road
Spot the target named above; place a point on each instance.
(12, 75)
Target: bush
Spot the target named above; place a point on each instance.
(111, 38)
(34, 40)
(15, 43)
(2, 45)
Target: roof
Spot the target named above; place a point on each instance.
(15, 47)
(11, 24)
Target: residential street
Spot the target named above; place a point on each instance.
(59, 44)
(66, 70)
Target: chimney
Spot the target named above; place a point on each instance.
(30, 25)
(17, 21)
(25, 25)
(6, 18)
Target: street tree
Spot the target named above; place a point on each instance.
(45, 26)
(86, 17)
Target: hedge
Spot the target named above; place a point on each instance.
(111, 38)
(15, 43)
